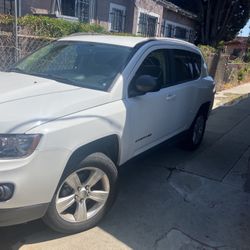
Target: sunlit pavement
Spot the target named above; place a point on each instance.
(171, 198)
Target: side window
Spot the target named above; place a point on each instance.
(156, 65)
(186, 66)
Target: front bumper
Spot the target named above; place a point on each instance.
(35, 178)
(13, 216)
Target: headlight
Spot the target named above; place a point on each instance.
(18, 145)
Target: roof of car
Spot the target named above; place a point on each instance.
(129, 41)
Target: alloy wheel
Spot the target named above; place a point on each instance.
(82, 195)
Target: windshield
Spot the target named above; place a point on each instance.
(89, 65)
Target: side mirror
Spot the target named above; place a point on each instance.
(145, 83)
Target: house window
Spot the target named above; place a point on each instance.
(167, 30)
(181, 32)
(80, 9)
(83, 10)
(171, 29)
(147, 25)
(117, 18)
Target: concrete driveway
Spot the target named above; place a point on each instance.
(170, 198)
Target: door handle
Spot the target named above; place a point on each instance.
(170, 97)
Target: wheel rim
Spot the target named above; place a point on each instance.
(82, 195)
(198, 130)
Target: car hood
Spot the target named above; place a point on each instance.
(28, 101)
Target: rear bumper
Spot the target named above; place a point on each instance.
(13, 216)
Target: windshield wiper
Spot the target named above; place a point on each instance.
(58, 78)
(17, 70)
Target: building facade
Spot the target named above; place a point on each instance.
(238, 47)
(142, 17)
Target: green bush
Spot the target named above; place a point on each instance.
(54, 27)
(241, 75)
(51, 27)
(207, 51)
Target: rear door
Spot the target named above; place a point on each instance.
(186, 72)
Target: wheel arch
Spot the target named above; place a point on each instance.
(205, 107)
(108, 145)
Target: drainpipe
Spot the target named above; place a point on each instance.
(52, 7)
(19, 8)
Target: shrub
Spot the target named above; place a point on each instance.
(50, 27)
(241, 75)
(207, 50)
(6, 19)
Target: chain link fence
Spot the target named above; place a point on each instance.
(7, 50)
(12, 51)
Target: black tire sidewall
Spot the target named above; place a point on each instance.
(189, 143)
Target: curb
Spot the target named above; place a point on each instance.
(232, 102)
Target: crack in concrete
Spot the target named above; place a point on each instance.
(171, 170)
(163, 236)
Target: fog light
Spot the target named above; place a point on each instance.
(6, 191)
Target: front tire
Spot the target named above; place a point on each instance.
(84, 195)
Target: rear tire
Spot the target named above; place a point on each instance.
(84, 195)
(196, 132)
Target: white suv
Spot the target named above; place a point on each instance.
(78, 108)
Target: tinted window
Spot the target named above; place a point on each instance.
(156, 65)
(186, 66)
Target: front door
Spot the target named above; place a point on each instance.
(152, 115)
